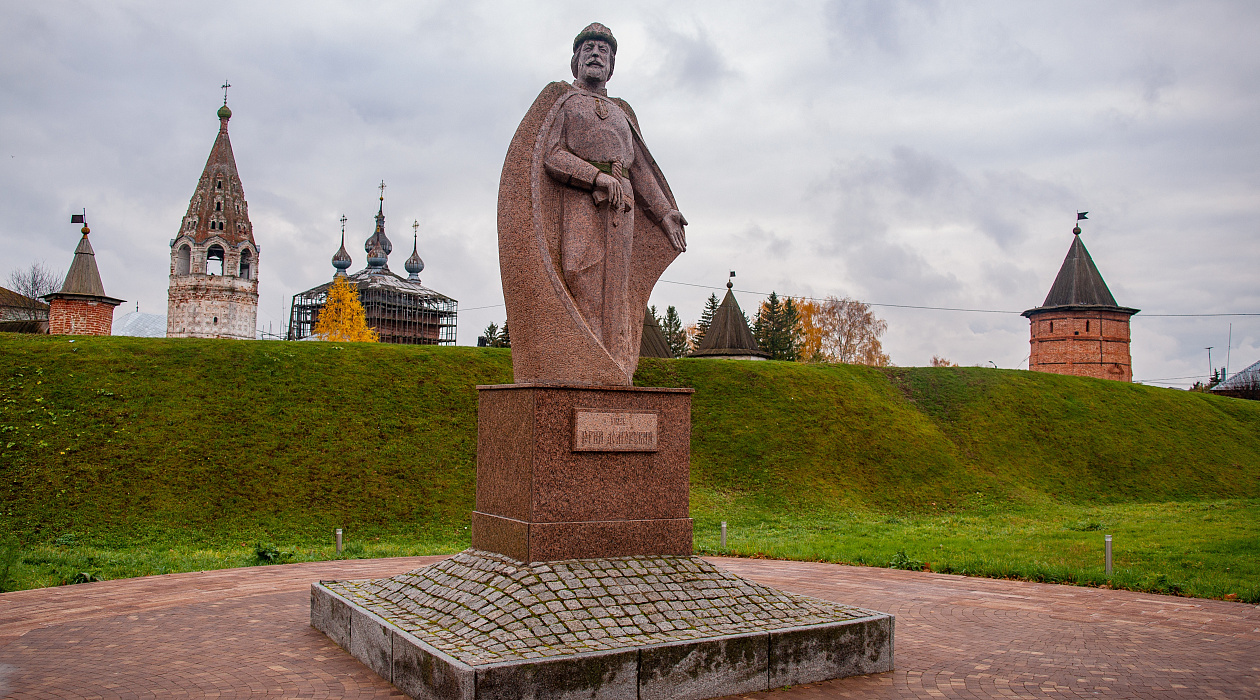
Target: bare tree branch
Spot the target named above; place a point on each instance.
(31, 283)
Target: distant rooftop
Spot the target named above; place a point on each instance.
(1247, 379)
(138, 325)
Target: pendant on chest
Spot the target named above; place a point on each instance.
(601, 108)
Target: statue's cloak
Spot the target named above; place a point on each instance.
(551, 343)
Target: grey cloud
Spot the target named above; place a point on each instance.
(691, 61)
(754, 237)
(1154, 77)
(879, 23)
(912, 188)
(907, 152)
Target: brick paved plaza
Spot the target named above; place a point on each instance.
(245, 632)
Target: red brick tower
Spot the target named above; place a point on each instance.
(81, 307)
(213, 290)
(1079, 329)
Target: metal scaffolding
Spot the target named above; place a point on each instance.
(400, 310)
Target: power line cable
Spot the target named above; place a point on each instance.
(933, 308)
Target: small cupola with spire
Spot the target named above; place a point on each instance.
(1080, 329)
(414, 265)
(377, 246)
(81, 307)
(341, 259)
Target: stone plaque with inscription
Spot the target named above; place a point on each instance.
(614, 430)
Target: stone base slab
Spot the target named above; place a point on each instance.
(480, 625)
(525, 541)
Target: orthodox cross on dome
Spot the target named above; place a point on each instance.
(381, 187)
(415, 228)
(225, 87)
(343, 228)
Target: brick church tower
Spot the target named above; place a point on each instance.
(213, 291)
(1079, 329)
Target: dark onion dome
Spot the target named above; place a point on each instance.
(376, 258)
(379, 234)
(414, 265)
(341, 260)
(225, 112)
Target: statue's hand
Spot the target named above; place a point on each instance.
(673, 224)
(612, 187)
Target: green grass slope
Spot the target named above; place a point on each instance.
(122, 439)
(130, 442)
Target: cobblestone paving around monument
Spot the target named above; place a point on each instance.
(484, 608)
(243, 633)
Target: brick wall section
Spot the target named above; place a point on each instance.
(80, 317)
(211, 306)
(1081, 343)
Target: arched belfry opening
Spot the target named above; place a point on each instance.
(213, 290)
(214, 260)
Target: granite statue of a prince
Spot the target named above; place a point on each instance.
(583, 480)
(587, 224)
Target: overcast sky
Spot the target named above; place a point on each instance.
(916, 153)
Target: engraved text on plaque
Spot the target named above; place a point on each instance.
(614, 430)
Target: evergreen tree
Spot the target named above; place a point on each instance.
(675, 335)
(490, 335)
(706, 319)
(496, 338)
(791, 331)
(777, 328)
(342, 318)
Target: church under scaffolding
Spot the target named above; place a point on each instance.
(399, 309)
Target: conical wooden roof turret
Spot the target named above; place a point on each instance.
(83, 277)
(653, 342)
(728, 334)
(1079, 284)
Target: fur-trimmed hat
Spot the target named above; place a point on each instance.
(595, 30)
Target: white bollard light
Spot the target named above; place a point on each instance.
(723, 535)
(1107, 544)
(338, 533)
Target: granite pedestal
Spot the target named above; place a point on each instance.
(580, 582)
(577, 472)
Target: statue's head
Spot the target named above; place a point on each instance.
(594, 54)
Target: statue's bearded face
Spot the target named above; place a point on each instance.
(593, 62)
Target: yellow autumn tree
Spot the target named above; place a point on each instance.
(841, 330)
(810, 344)
(342, 318)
